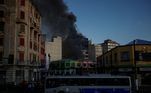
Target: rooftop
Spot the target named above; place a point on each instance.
(139, 41)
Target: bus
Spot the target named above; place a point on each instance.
(88, 84)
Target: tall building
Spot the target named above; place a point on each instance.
(84, 48)
(91, 51)
(108, 45)
(54, 49)
(98, 50)
(95, 50)
(22, 47)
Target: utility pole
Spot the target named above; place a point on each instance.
(135, 68)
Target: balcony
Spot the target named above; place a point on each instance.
(21, 48)
(21, 21)
(27, 63)
(21, 34)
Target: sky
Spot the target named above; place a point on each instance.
(119, 20)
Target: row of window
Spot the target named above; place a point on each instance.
(125, 56)
(56, 82)
(35, 46)
(21, 56)
(22, 13)
(2, 25)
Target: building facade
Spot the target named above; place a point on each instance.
(131, 59)
(54, 49)
(98, 51)
(22, 47)
(108, 45)
(94, 51)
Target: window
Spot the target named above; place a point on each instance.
(35, 35)
(21, 56)
(35, 47)
(30, 57)
(34, 57)
(22, 15)
(125, 56)
(1, 1)
(1, 13)
(30, 45)
(21, 42)
(142, 56)
(42, 51)
(2, 26)
(1, 41)
(55, 82)
(22, 2)
(1, 55)
(22, 28)
(11, 59)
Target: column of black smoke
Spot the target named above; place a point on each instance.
(57, 21)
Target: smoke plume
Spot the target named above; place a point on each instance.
(53, 20)
(58, 21)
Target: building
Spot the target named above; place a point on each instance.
(54, 49)
(21, 47)
(108, 45)
(98, 51)
(131, 59)
(71, 67)
(91, 51)
(94, 51)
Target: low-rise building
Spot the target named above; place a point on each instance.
(130, 59)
